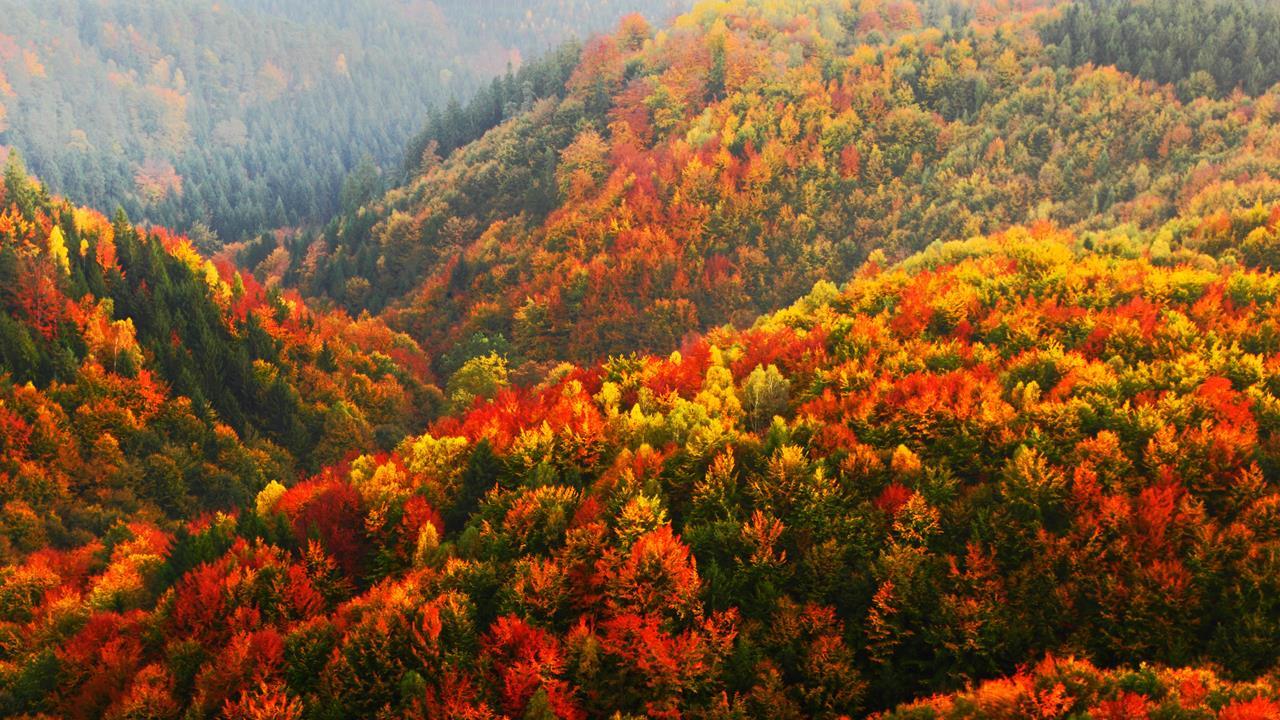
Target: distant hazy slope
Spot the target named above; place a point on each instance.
(247, 114)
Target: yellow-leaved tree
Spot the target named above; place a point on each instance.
(58, 249)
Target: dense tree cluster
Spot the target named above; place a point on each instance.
(138, 378)
(802, 359)
(705, 173)
(1017, 446)
(1204, 47)
(455, 125)
(245, 115)
(1075, 688)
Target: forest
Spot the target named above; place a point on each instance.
(239, 117)
(704, 174)
(908, 360)
(1202, 48)
(1028, 446)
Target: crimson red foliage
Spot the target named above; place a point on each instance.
(332, 512)
(893, 497)
(685, 377)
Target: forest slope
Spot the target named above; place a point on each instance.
(246, 115)
(1021, 444)
(707, 172)
(139, 380)
(962, 402)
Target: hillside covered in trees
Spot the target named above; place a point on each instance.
(1024, 445)
(1203, 47)
(796, 359)
(139, 380)
(705, 173)
(246, 115)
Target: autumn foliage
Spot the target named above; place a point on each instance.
(1026, 473)
(838, 510)
(707, 172)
